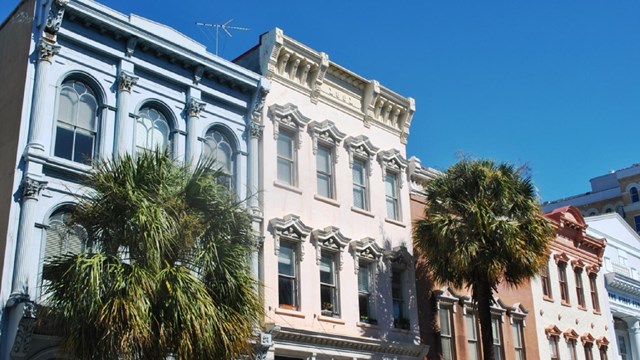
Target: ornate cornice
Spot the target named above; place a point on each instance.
(392, 160)
(48, 50)
(330, 238)
(31, 188)
(126, 81)
(55, 16)
(326, 133)
(195, 107)
(290, 228)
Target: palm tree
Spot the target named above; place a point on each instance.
(482, 226)
(166, 270)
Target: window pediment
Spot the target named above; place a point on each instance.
(602, 341)
(360, 147)
(325, 132)
(290, 228)
(446, 295)
(329, 238)
(288, 117)
(392, 160)
(587, 338)
(561, 258)
(518, 312)
(365, 249)
(552, 330)
(570, 334)
(399, 256)
(577, 264)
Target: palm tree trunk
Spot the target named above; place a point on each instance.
(483, 295)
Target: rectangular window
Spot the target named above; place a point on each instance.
(637, 221)
(594, 293)
(324, 171)
(446, 334)
(517, 329)
(365, 290)
(553, 348)
(588, 351)
(546, 283)
(287, 277)
(622, 347)
(400, 319)
(562, 278)
(286, 158)
(573, 352)
(328, 285)
(579, 287)
(498, 344)
(473, 348)
(360, 192)
(391, 193)
(603, 353)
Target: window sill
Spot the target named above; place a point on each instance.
(546, 298)
(402, 331)
(582, 308)
(67, 165)
(564, 303)
(326, 200)
(395, 222)
(362, 212)
(331, 319)
(597, 312)
(287, 187)
(366, 325)
(287, 312)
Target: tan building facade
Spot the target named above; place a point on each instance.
(617, 191)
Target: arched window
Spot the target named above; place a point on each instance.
(634, 194)
(77, 122)
(218, 148)
(152, 130)
(62, 238)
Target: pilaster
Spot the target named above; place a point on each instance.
(123, 136)
(194, 108)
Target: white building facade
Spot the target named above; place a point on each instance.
(83, 82)
(570, 306)
(621, 264)
(337, 260)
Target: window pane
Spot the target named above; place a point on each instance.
(286, 291)
(363, 303)
(64, 143)
(286, 260)
(447, 349)
(323, 160)
(87, 112)
(285, 148)
(285, 171)
(391, 209)
(390, 185)
(83, 151)
(324, 185)
(445, 326)
(364, 276)
(326, 269)
(67, 106)
(358, 198)
(358, 172)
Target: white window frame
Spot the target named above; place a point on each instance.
(366, 252)
(394, 198)
(295, 279)
(331, 307)
(326, 135)
(331, 241)
(393, 164)
(361, 149)
(446, 313)
(287, 118)
(291, 162)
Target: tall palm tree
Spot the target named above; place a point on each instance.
(166, 270)
(482, 226)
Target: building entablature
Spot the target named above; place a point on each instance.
(420, 175)
(140, 34)
(572, 238)
(619, 282)
(310, 72)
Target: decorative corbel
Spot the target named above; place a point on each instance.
(55, 16)
(131, 46)
(318, 78)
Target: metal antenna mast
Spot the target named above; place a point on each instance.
(225, 27)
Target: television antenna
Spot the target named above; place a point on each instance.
(225, 27)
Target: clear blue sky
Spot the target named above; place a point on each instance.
(552, 83)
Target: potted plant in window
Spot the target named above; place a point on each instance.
(327, 309)
(367, 320)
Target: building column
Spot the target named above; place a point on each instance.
(20, 306)
(634, 337)
(39, 126)
(122, 142)
(194, 108)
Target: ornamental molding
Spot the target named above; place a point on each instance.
(360, 147)
(325, 133)
(561, 258)
(366, 249)
(131, 46)
(195, 107)
(55, 16)
(552, 330)
(126, 81)
(399, 256)
(22, 342)
(587, 338)
(290, 228)
(448, 296)
(258, 104)
(255, 130)
(48, 50)
(577, 264)
(517, 312)
(330, 238)
(31, 188)
(602, 341)
(392, 160)
(198, 72)
(570, 334)
(290, 118)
